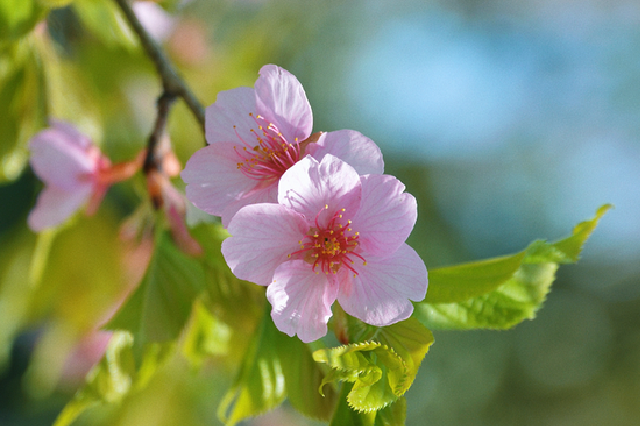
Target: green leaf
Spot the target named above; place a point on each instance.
(23, 103)
(516, 300)
(104, 20)
(159, 308)
(260, 385)
(411, 341)
(344, 415)
(375, 370)
(115, 376)
(303, 376)
(276, 366)
(514, 297)
(392, 415)
(571, 246)
(206, 336)
(18, 17)
(55, 3)
(462, 282)
(232, 301)
(17, 289)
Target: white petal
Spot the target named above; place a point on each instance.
(386, 215)
(352, 147)
(232, 108)
(309, 186)
(281, 99)
(262, 237)
(54, 206)
(213, 179)
(60, 155)
(381, 292)
(301, 300)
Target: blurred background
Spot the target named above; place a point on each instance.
(508, 120)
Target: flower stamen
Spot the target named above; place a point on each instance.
(271, 156)
(330, 247)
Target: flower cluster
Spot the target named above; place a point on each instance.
(254, 136)
(74, 171)
(311, 216)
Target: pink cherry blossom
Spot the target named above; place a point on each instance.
(254, 136)
(333, 235)
(74, 173)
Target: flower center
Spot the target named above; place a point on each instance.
(271, 156)
(329, 247)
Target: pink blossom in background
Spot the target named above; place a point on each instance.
(333, 235)
(155, 20)
(74, 173)
(254, 136)
(68, 163)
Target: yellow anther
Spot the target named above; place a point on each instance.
(357, 233)
(288, 256)
(326, 206)
(364, 263)
(344, 210)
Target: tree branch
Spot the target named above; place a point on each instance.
(151, 161)
(172, 83)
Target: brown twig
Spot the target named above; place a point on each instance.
(151, 161)
(172, 83)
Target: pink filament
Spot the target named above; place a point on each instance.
(270, 157)
(331, 246)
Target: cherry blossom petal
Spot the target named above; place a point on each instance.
(213, 180)
(351, 147)
(281, 99)
(55, 205)
(60, 154)
(310, 185)
(386, 215)
(259, 194)
(232, 108)
(301, 300)
(381, 292)
(72, 133)
(262, 237)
